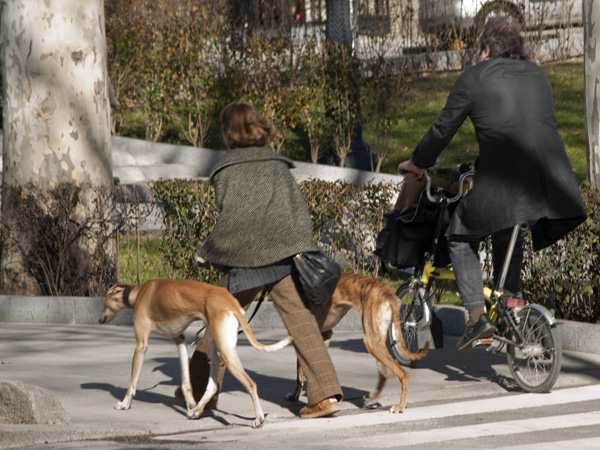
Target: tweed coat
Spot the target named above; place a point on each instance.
(523, 173)
(263, 215)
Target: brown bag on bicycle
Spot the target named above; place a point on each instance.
(411, 190)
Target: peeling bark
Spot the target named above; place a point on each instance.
(591, 21)
(56, 114)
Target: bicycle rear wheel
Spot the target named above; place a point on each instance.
(536, 361)
(411, 318)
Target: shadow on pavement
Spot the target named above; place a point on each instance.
(477, 365)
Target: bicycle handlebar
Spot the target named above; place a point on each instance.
(438, 199)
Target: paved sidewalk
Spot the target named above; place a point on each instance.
(87, 368)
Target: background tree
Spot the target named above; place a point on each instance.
(56, 148)
(591, 20)
(383, 83)
(346, 106)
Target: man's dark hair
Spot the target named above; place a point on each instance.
(503, 36)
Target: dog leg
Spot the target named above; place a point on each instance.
(186, 384)
(211, 386)
(294, 396)
(141, 347)
(375, 336)
(372, 401)
(385, 360)
(226, 343)
(235, 367)
(376, 326)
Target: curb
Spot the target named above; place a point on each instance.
(575, 336)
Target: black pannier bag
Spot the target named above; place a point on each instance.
(402, 244)
(409, 228)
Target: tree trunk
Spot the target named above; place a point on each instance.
(591, 22)
(339, 30)
(56, 114)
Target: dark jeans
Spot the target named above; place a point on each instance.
(467, 267)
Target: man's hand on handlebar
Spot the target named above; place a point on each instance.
(409, 170)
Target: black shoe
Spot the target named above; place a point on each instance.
(484, 328)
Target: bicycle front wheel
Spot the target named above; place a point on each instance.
(411, 318)
(535, 361)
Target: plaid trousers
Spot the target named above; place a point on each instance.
(321, 378)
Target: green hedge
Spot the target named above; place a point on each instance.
(566, 276)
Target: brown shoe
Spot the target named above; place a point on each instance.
(327, 407)
(212, 403)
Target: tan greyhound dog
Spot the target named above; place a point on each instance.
(167, 307)
(377, 305)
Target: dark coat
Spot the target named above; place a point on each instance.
(263, 215)
(523, 173)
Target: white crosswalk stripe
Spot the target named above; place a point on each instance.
(489, 407)
(579, 444)
(483, 406)
(494, 429)
(490, 429)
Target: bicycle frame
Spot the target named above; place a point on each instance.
(430, 271)
(439, 273)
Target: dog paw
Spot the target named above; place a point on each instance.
(258, 422)
(194, 413)
(370, 404)
(122, 406)
(291, 397)
(396, 410)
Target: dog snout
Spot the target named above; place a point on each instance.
(106, 316)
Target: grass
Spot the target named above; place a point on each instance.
(569, 103)
(426, 97)
(151, 264)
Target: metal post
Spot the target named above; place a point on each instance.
(508, 257)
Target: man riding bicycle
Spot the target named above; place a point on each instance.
(523, 174)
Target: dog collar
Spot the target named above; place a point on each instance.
(126, 293)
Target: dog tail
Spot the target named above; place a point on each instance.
(400, 339)
(252, 339)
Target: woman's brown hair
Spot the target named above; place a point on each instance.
(243, 126)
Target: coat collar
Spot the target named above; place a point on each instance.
(249, 154)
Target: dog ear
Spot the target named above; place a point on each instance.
(116, 289)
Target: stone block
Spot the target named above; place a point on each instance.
(22, 403)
